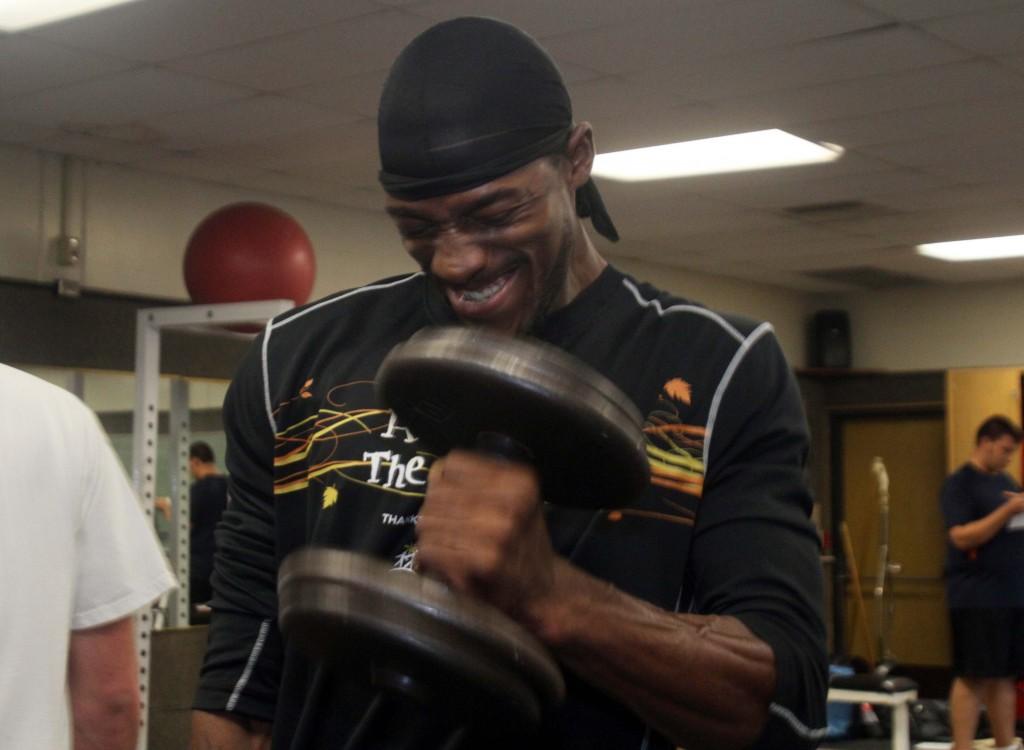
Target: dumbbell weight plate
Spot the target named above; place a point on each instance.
(410, 633)
(451, 385)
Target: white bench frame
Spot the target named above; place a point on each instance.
(899, 701)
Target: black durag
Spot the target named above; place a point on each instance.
(470, 100)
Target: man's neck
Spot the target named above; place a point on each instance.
(206, 470)
(586, 264)
(980, 466)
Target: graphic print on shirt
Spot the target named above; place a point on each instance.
(350, 441)
(674, 450)
(332, 444)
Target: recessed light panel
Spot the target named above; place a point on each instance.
(18, 15)
(988, 248)
(761, 149)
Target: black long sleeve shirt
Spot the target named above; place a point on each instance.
(722, 529)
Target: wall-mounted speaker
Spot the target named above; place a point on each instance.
(830, 339)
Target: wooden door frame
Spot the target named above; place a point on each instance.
(837, 507)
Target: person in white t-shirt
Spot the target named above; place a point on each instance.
(77, 560)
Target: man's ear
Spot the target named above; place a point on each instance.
(580, 152)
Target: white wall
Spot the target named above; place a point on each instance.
(109, 391)
(787, 310)
(925, 328)
(27, 212)
(138, 224)
(135, 226)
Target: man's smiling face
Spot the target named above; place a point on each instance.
(500, 252)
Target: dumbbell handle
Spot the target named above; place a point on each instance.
(502, 446)
(361, 737)
(491, 444)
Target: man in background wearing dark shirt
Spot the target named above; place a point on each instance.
(207, 500)
(985, 585)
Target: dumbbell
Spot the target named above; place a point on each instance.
(410, 635)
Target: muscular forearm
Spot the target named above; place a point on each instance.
(223, 731)
(976, 533)
(703, 681)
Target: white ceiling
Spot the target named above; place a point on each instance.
(927, 96)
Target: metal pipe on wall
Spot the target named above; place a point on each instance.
(69, 245)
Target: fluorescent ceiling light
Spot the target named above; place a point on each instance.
(762, 149)
(989, 248)
(18, 15)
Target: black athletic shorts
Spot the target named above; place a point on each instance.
(988, 642)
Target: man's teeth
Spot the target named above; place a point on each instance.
(482, 295)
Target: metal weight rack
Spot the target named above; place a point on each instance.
(150, 323)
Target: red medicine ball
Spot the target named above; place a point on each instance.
(246, 252)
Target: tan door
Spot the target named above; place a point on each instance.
(972, 395)
(913, 451)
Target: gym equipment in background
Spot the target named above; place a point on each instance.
(150, 324)
(883, 588)
(246, 252)
(854, 571)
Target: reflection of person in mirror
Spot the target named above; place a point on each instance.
(77, 558)
(982, 506)
(207, 500)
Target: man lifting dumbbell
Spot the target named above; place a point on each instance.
(689, 615)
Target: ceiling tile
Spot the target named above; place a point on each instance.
(324, 53)
(245, 121)
(357, 94)
(24, 133)
(987, 147)
(997, 32)
(887, 50)
(326, 191)
(202, 168)
(919, 122)
(880, 93)
(28, 65)
(777, 277)
(915, 10)
(938, 226)
(869, 188)
(720, 186)
(791, 240)
(954, 273)
(543, 18)
(98, 148)
(872, 253)
(611, 97)
(707, 30)
(158, 30)
(361, 94)
(1013, 62)
(329, 144)
(930, 126)
(980, 168)
(652, 215)
(117, 98)
(357, 171)
(958, 197)
(672, 125)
